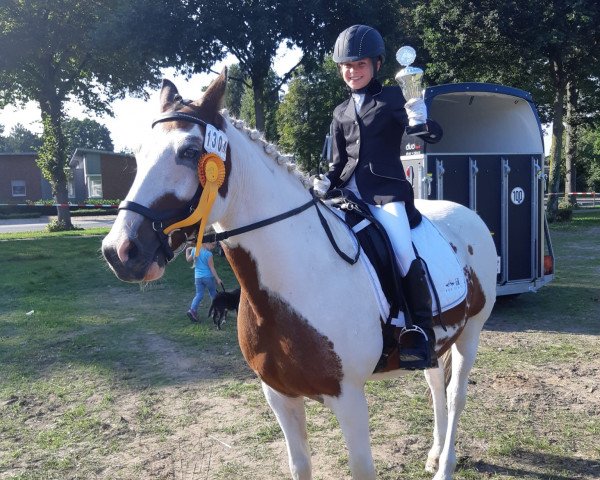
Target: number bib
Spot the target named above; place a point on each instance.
(215, 141)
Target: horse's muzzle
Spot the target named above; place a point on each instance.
(134, 256)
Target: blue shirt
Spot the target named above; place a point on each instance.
(201, 268)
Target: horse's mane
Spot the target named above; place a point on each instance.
(281, 159)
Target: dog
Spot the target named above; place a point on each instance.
(223, 303)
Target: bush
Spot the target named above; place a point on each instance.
(565, 211)
(59, 226)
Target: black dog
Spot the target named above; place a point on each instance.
(222, 303)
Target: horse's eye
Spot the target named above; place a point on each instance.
(190, 153)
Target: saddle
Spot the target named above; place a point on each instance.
(375, 243)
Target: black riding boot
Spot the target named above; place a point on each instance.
(417, 344)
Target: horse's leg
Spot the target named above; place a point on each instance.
(463, 358)
(437, 385)
(291, 416)
(352, 413)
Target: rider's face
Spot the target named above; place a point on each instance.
(357, 74)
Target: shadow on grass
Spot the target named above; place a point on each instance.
(555, 308)
(573, 468)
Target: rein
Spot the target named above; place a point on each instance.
(215, 237)
(164, 223)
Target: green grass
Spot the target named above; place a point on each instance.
(100, 231)
(110, 380)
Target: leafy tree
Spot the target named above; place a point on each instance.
(20, 139)
(271, 102)
(253, 30)
(536, 46)
(304, 115)
(235, 90)
(86, 133)
(589, 153)
(93, 51)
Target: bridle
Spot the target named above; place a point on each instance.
(163, 219)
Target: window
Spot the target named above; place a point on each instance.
(18, 188)
(94, 186)
(70, 189)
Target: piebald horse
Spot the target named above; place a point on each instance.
(309, 321)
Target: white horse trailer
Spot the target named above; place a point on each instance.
(490, 159)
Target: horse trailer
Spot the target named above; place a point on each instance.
(490, 159)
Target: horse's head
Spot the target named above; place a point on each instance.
(166, 188)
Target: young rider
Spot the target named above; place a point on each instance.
(367, 132)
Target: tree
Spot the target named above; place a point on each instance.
(86, 133)
(20, 139)
(304, 115)
(271, 102)
(93, 51)
(235, 90)
(253, 30)
(536, 46)
(589, 153)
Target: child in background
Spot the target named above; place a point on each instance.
(205, 276)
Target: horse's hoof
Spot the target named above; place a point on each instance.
(432, 465)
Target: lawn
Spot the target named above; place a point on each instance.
(101, 379)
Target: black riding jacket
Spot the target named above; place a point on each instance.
(368, 144)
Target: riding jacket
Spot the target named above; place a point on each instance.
(367, 144)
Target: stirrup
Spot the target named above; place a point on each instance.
(415, 357)
(414, 328)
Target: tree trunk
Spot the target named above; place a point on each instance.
(571, 143)
(54, 153)
(557, 140)
(259, 104)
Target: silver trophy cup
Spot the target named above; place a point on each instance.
(410, 80)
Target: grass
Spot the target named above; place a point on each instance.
(109, 380)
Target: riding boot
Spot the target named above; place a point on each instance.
(417, 344)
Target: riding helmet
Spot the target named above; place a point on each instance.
(356, 42)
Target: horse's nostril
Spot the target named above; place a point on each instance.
(133, 251)
(126, 250)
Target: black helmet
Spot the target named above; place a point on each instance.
(356, 42)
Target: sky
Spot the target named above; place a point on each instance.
(133, 116)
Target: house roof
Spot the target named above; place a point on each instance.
(18, 154)
(80, 153)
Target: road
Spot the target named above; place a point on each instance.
(37, 224)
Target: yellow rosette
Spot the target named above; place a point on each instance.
(211, 172)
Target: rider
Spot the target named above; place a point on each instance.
(367, 131)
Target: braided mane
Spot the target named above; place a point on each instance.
(284, 160)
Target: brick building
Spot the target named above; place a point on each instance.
(21, 180)
(95, 174)
(100, 174)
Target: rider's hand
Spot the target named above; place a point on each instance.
(416, 111)
(321, 184)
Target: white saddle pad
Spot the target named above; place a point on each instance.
(443, 264)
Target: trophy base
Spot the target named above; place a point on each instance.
(417, 130)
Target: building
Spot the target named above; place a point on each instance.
(21, 180)
(100, 174)
(96, 174)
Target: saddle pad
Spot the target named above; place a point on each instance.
(444, 267)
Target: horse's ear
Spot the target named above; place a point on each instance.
(214, 96)
(168, 93)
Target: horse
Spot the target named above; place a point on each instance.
(309, 321)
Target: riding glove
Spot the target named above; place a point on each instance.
(321, 184)
(416, 111)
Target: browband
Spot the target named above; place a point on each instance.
(168, 116)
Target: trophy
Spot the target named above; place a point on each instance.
(410, 81)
